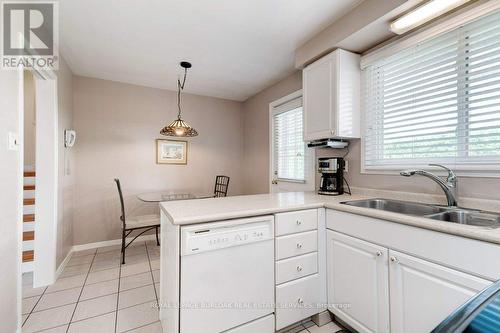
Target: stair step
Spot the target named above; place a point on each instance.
(29, 173)
(28, 236)
(28, 255)
(29, 218)
(29, 201)
(29, 187)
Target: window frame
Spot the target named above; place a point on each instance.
(410, 40)
(274, 112)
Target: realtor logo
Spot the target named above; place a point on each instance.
(29, 35)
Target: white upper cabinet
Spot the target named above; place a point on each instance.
(331, 88)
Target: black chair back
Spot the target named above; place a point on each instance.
(122, 217)
(221, 185)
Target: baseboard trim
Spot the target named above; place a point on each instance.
(95, 245)
(63, 264)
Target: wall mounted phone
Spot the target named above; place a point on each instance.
(69, 138)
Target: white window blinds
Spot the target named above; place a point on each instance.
(438, 101)
(289, 147)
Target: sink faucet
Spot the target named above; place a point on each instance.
(449, 186)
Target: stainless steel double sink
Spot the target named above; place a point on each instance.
(442, 213)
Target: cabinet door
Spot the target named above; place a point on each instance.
(423, 293)
(318, 92)
(358, 282)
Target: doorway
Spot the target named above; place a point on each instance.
(40, 178)
(291, 162)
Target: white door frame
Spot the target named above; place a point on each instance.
(46, 213)
(309, 184)
(46, 164)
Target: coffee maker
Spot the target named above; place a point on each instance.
(332, 175)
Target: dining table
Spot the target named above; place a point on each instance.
(168, 195)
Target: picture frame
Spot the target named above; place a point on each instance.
(171, 151)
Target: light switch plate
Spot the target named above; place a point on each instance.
(14, 141)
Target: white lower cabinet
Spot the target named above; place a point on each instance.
(423, 293)
(358, 282)
(300, 266)
(296, 267)
(362, 275)
(263, 325)
(297, 300)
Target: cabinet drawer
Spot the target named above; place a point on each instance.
(296, 244)
(296, 267)
(297, 300)
(294, 222)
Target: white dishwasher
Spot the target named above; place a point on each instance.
(227, 276)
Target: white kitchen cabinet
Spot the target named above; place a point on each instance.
(296, 244)
(300, 273)
(358, 282)
(297, 300)
(296, 267)
(294, 222)
(331, 90)
(423, 293)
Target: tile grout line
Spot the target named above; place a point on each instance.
(81, 292)
(33, 308)
(118, 296)
(152, 276)
(92, 298)
(133, 329)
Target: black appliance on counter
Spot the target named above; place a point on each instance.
(332, 175)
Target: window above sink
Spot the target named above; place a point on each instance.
(437, 101)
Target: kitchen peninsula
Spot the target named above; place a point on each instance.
(271, 260)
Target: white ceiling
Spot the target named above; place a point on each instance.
(237, 47)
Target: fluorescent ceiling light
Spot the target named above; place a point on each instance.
(424, 13)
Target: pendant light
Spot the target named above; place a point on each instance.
(179, 127)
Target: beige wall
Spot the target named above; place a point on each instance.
(256, 150)
(256, 133)
(117, 125)
(29, 119)
(65, 163)
(10, 219)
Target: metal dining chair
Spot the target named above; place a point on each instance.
(221, 185)
(143, 223)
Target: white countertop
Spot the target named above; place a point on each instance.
(216, 209)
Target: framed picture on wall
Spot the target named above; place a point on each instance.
(171, 151)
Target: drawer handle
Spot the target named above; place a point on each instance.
(394, 260)
(300, 301)
(299, 245)
(379, 253)
(299, 222)
(299, 268)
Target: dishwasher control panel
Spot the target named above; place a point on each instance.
(214, 237)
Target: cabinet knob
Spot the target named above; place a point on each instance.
(394, 259)
(299, 245)
(379, 253)
(299, 222)
(300, 301)
(299, 268)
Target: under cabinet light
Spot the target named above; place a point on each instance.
(424, 13)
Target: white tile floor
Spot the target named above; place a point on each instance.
(308, 326)
(96, 294)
